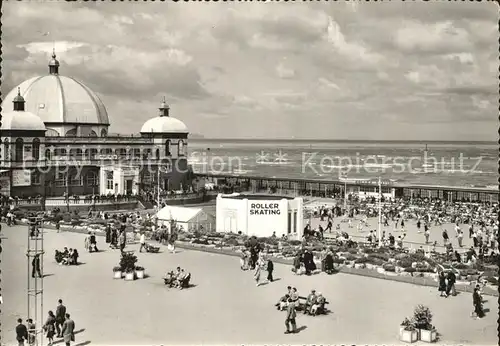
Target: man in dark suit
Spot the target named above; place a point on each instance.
(35, 263)
(68, 330)
(270, 268)
(60, 316)
(290, 317)
(21, 332)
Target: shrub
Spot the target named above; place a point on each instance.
(350, 257)
(117, 269)
(374, 260)
(405, 262)
(338, 260)
(461, 266)
(422, 317)
(232, 242)
(383, 256)
(139, 268)
(295, 242)
(389, 267)
(410, 270)
(361, 260)
(127, 262)
(492, 280)
(408, 324)
(200, 241)
(352, 251)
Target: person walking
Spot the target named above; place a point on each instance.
(50, 327)
(142, 241)
(60, 316)
(460, 238)
(35, 264)
(450, 286)
(31, 331)
(291, 315)
(442, 284)
(68, 330)
(256, 274)
(270, 269)
(477, 301)
(21, 332)
(445, 237)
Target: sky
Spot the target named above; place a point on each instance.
(343, 70)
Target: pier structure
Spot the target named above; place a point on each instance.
(367, 188)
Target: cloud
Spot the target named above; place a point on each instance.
(266, 69)
(283, 72)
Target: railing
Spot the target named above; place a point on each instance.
(97, 140)
(72, 201)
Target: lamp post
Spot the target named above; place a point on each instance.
(158, 186)
(379, 212)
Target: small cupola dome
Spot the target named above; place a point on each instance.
(18, 101)
(54, 64)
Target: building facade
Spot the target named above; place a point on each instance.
(55, 141)
(260, 215)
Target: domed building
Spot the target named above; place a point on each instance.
(58, 124)
(66, 106)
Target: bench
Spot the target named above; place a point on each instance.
(301, 303)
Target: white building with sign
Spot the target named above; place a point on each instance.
(260, 215)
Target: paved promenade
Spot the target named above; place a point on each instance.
(224, 306)
(413, 238)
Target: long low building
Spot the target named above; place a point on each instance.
(368, 188)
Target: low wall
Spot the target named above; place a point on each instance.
(83, 207)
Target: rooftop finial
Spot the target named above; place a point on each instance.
(54, 64)
(164, 108)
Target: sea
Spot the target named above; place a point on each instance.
(457, 164)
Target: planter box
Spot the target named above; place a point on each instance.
(380, 270)
(369, 266)
(359, 265)
(139, 274)
(409, 336)
(129, 276)
(117, 275)
(427, 335)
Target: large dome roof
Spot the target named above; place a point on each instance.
(164, 125)
(58, 99)
(21, 121)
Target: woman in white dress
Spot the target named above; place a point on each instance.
(256, 275)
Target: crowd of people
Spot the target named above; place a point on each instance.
(67, 257)
(58, 325)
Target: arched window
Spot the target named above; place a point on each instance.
(167, 148)
(157, 154)
(93, 134)
(19, 150)
(36, 149)
(6, 154)
(180, 148)
(47, 154)
(71, 133)
(104, 133)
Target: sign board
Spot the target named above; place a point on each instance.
(5, 184)
(369, 182)
(257, 208)
(21, 177)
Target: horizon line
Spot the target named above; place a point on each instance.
(316, 140)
